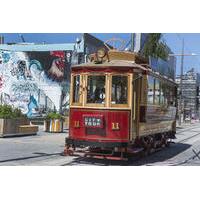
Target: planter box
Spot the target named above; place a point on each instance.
(66, 123)
(53, 126)
(11, 127)
(28, 129)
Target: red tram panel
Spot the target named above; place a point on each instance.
(108, 132)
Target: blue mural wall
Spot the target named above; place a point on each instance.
(34, 81)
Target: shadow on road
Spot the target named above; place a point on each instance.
(159, 156)
(38, 155)
(163, 155)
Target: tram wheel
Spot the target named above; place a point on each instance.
(144, 153)
(167, 144)
(147, 150)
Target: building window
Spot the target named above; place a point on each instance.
(119, 89)
(172, 94)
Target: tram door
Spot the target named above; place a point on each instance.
(137, 83)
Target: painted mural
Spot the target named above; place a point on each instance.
(34, 81)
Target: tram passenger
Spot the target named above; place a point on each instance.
(99, 95)
(96, 94)
(102, 95)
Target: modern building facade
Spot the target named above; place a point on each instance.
(164, 67)
(190, 94)
(139, 40)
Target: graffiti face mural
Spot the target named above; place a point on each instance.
(53, 63)
(33, 81)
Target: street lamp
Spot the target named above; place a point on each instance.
(181, 77)
(192, 54)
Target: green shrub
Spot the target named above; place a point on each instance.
(54, 115)
(8, 112)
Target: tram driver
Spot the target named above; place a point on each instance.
(96, 89)
(99, 95)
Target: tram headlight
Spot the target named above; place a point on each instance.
(101, 53)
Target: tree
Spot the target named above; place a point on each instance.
(155, 47)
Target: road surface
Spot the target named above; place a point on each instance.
(45, 149)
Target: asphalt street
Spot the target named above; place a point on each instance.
(45, 149)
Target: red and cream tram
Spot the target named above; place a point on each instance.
(119, 106)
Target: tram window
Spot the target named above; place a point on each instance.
(172, 96)
(150, 89)
(119, 89)
(157, 91)
(76, 85)
(96, 89)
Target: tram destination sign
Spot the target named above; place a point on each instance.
(93, 121)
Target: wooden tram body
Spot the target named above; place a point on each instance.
(118, 105)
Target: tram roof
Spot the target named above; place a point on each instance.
(115, 58)
(121, 59)
(114, 63)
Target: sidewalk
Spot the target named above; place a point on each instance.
(188, 124)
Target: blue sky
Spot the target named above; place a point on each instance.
(192, 45)
(59, 37)
(174, 41)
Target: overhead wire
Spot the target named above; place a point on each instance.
(187, 48)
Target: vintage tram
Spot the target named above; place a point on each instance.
(119, 106)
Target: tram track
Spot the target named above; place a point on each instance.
(186, 129)
(194, 153)
(40, 155)
(188, 138)
(180, 162)
(138, 160)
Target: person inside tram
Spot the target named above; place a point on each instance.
(102, 94)
(96, 94)
(99, 95)
(123, 97)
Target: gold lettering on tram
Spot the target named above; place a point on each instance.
(115, 126)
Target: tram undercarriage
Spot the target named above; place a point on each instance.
(142, 146)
